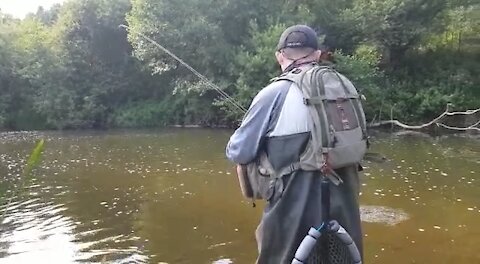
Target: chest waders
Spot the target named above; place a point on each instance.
(339, 139)
(329, 243)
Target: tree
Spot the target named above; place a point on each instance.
(394, 25)
(94, 62)
(71, 66)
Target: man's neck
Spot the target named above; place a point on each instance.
(294, 65)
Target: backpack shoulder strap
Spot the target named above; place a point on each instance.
(296, 75)
(358, 109)
(310, 82)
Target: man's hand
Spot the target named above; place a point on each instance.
(244, 181)
(241, 169)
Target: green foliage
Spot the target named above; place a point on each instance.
(462, 25)
(394, 25)
(188, 27)
(434, 79)
(361, 68)
(144, 114)
(6, 71)
(71, 67)
(35, 156)
(255, 62)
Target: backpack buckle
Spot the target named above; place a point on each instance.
(296, 71)
(334, 178)
(306, 101)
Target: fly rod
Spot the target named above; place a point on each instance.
(199, 75)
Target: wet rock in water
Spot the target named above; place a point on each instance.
(382, 215)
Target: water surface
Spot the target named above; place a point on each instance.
(170, 196)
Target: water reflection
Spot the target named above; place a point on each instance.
(33, 230)
(171, 197)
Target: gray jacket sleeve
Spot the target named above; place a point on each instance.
(247, 139)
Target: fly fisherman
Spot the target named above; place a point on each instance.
(279, 124)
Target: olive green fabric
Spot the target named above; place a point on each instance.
(339, 126)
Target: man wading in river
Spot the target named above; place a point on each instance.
(279, 126)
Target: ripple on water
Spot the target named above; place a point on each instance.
(34, 230)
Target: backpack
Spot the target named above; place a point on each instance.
(338, 134)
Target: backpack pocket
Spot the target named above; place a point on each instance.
(349, 149)
(341, 114)
(255, 179)
(259, 181)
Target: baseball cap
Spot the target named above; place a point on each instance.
(298, 36)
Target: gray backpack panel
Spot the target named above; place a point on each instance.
(339, 134)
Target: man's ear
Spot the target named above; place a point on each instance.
(279, 57)
(318, 55)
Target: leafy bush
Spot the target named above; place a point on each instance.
(361, 68)
(141, 114)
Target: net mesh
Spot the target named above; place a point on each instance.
(330, 250)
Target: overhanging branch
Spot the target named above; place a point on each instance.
(436, 121)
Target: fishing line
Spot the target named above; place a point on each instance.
(328, 226)
(199, 75)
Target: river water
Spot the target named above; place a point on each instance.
(170, 196)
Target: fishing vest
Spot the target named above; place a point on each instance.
(338, 134)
